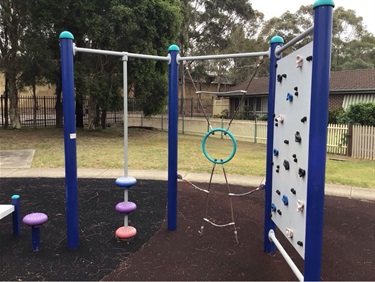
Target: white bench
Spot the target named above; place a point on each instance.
(6, 210)
(13, 209)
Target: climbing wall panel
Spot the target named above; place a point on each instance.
(291, 145)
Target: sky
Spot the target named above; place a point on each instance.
(277, 8)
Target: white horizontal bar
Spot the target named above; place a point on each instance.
(120, 54)
(224, 56)
(153, 57)
(307, 32)
(272, 237)
(98, 51)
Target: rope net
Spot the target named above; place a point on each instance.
(221, 162)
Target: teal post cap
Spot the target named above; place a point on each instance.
(323, 3)
(173, 47)
(66, 35)
(276, 39)
(15, 197)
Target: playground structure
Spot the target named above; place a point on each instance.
(295, 192)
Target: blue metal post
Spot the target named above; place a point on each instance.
(16, 215)
(35, 237)
(318, 138)
(268, 246)
(70, 147)
(172, 137)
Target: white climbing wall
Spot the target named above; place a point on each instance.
(291, 145)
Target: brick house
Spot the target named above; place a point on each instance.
(346, 88)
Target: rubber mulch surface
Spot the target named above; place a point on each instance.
(158, 254)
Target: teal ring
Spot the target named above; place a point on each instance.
(221, 161)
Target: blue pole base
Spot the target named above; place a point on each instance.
(35, 232)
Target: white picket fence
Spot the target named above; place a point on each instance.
(363, 142)
(337, 137)
(356, 141)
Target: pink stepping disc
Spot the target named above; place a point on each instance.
(126, 207)
(35, 219)
(126, 232)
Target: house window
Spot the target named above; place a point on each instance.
(256, 104)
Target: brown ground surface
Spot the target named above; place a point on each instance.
(158, 254)
(348, 248)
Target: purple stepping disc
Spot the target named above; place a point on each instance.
(126, 207)
(34, 219)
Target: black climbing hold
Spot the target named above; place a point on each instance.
(299, 243)
(296, 93)
(276, 124)
(278, 192)
(303, 119)
(294, 156)
(297, 137)
(280, 77)
(301, 172)
(279, 212)
(309, 58)
(293, 191)
(286, 164)
(295, 88)
(286, 142)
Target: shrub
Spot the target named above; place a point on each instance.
(361, 113)
(334, 115)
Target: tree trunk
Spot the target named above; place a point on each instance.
(14, 114)
(183, 89)
(79, 112)
(92, 114)
(6, 97)
(35, 108)
(103, 118)
(58, 106)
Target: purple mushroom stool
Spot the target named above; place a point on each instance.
(35, 220)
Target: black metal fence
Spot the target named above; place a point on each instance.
(41, 111)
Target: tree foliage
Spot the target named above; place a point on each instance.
(30, 53)
(361, 113)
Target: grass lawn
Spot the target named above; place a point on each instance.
(148, 150)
